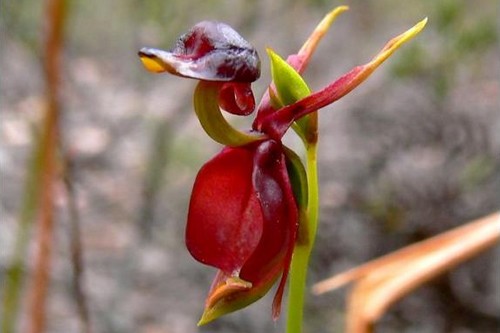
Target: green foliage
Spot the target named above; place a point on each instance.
(459, 40)
(477, 171)
(411, 62)
(448, 14)
(480, 36)
(23, 17)
(13, 285)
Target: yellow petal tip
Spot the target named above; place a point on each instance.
(415, 30)
(151, 64)
(330, 17)
(420, 25)
(410, 33)
(396, 42)
(203, 320)
(340, 9)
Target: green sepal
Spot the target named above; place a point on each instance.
(298, 180)
(206, 106)
(289, 87)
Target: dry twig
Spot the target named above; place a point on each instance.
(50, 138)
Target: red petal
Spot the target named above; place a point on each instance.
(225, 221)
(211, 51)
(237, 98)
(274, 252)
(243, 219)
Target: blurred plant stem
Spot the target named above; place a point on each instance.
(76, 247)
(302, 252)
(30, 202)
(55, 15)
(38, 200)
(152, 183)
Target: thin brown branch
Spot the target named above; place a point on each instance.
(50, 134)
(76, 249)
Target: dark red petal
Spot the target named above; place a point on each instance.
(293, 225)
(219, 52)
(243, 219)
(237, 98)
(225, 220)
(273, 254)
(210, 51)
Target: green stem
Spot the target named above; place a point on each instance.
(13, 283)
(207, 109)
(300, 260)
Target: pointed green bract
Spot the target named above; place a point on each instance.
(290, 86)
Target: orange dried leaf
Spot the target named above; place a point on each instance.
(382, 282)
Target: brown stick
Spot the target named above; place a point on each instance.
(76, 248)
(49, 137)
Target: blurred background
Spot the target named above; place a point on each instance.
(411, 153)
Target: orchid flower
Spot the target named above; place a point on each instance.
(253, 208)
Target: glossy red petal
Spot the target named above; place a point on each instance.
(211, 51)
(247, 232)
(273, 254)
(237, 98)
(225, 222)
(271, 258)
